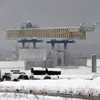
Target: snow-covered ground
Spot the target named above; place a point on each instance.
(54, 86)
(82, 72)
(17, 96)
(75, 81)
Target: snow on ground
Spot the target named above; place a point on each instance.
(53, 86)
(82, 72)
(20, 96)
(79, 80)
(89, 62)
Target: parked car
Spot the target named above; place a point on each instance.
(19, 75)
(14, 76)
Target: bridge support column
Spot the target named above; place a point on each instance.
(34, 44)
(23, 45)
(94, 63)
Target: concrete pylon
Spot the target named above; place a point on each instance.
(60, 58)
(65, 57)
(94, 63)
(54, 52)
(52, 58)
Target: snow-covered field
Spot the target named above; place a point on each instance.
(20, 96)
(82, 72)
(54, 86)
(74, 81)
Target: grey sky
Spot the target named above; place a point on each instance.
(52, 13)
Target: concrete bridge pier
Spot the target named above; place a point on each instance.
(94, 63)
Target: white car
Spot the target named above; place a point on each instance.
(19, 75)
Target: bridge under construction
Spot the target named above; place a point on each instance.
(31, 34)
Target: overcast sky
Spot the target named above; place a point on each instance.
(52, 13)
